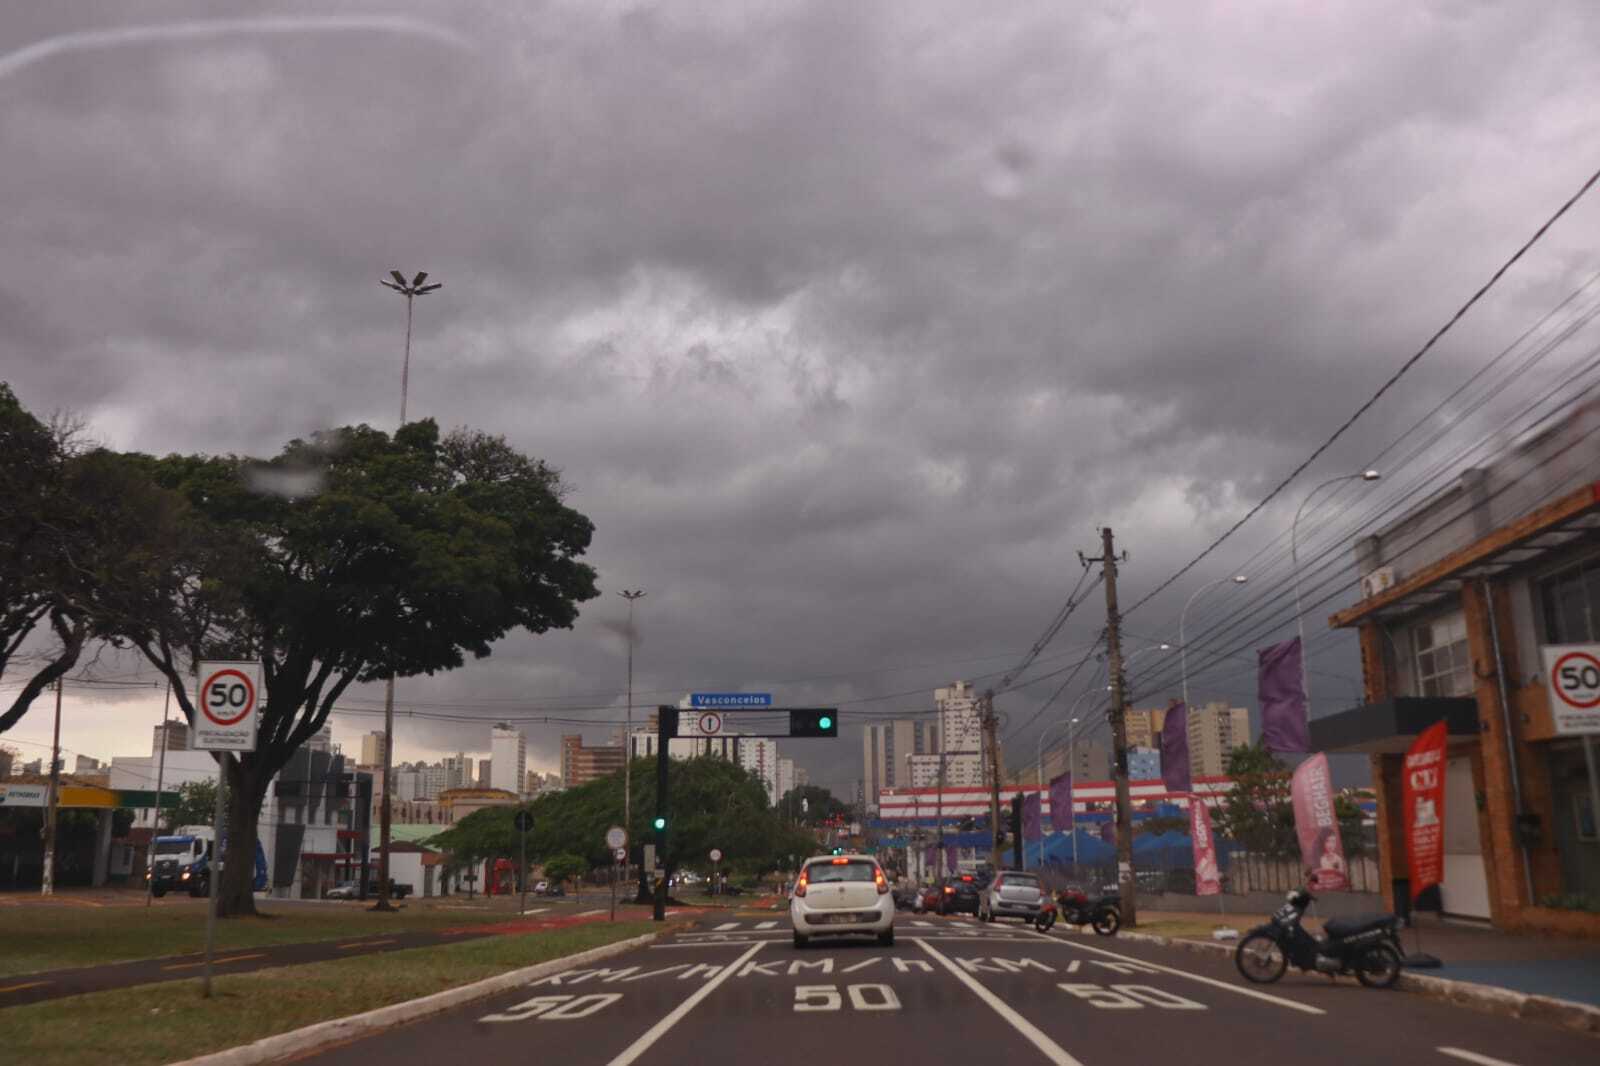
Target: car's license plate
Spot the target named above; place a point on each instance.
(839, 919)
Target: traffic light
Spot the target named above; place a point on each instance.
(814, 722)
(660, 822)
(666, 723)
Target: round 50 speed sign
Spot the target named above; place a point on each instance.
(227, 699)
(1573, 672)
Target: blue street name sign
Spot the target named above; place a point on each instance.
(730, 699)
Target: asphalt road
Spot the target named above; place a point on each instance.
(952, 990)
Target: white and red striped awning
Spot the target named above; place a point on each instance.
(913, 803)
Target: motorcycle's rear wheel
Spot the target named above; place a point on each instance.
(1260, 959)
(1378, 966)
(1107, 920)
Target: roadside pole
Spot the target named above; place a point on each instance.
(155, 825)
(1126, 882)
(48, 884)
(213, 868)
(524, 822)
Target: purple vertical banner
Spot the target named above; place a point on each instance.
(1061, 813)
(1108, 831)
(1032, 823)
(1175, 749)
(1282, 698)
(950, 853)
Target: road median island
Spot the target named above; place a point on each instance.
(273, 1014)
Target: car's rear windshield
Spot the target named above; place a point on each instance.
(1020, 880)
(819, 873)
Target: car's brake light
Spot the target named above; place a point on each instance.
(877, 876)
(800, 886)
(949, 890)
(841, 862)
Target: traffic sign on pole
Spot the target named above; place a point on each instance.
(616, 837)
(1573, 673)
(228, 700)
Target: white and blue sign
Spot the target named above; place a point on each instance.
(730, 699)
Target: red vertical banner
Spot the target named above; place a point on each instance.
(1422, 806)
(1207, 878)
(1316, 823)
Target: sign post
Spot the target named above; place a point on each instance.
(617, 841)
(229, 700)
(716, 878)
(524, 822)
(1573, 672)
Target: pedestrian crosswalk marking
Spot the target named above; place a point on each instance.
(726, 926)
(766, 925)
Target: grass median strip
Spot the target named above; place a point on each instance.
(49, 938)
(155, 1024)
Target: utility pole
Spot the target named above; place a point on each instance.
(631, 595)
(48, 885)
(991, 746)
(161, 773)
(1126, 883)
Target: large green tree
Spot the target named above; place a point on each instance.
(352, 556)
(1257, 813)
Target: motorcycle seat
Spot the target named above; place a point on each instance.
(1345, 927)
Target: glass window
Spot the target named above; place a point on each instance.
(1570, 600)
(1444, 665)
(819, 873)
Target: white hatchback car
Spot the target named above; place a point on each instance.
(841, 895)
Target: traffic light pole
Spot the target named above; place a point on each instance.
(666, 729)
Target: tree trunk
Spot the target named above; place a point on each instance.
(247, 786)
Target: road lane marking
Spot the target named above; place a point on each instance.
(923, 925)
(19, 988)
(1051, 1050)
(534, 910)
(681, 1011)
(726, 926)
(367, 943)
(862, 965)
(1473, 1056)
(766, 925)
(589, 914)
(219, 962)
(1252, 993)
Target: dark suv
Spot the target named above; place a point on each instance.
(960, 893)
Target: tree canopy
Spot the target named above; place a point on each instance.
(351, 556)
(1257, 813)
(812, 805)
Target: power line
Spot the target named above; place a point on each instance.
(1384, 388)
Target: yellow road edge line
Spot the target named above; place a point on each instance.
(19, 988)
(367, 943)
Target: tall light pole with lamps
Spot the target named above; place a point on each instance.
(1294, 562)
(632, 596)
(410, 290)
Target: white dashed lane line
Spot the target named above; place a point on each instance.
(1473, 1057)
(1052, 1051)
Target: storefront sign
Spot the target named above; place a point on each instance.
(1573, 674)
(1422, 806)
(24, 795)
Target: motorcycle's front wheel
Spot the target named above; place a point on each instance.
(1260, 959)
(1045, 920)
(1379, 966)
(1107, 920)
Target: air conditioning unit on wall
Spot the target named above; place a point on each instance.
(1379, 580)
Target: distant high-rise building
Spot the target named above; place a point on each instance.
(85, 765)
(759, 755)
(372, 749)
(176, 734)
(785, 777)
(1144, 727)
(408, 784)
(508, 750)
(485, 773)
(802, 777)
(322, 740)
(8, 759)
(581, 764)
(1214, 731)
(1144, 764)
(884, 749)
(960, 735)
(457, 771)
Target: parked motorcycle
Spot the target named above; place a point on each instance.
(1368, 946)
(1076, 908)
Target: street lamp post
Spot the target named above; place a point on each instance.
(1294, 562)
(631, 595)
(1183, 645)
(410, 290)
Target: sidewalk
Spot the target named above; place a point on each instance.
(1558, 967)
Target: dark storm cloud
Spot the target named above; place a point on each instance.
(847, 323)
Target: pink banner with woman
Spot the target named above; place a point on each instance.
(1316, 823)
(1207, 878)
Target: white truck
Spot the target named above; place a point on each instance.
(182, 862)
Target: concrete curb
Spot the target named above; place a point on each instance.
(338, 1030)
(1583, 1017)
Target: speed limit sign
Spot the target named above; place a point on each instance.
(1573, 673)
(227, 702)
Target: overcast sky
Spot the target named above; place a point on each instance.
(849, 324)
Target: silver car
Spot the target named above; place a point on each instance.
(1012, 894)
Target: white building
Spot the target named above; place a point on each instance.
(760, 756)
(785, 777)
(960, 736)
(408, 784)
(508, 759)
(139, 772)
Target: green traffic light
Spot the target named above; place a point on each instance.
(660, 823)
(825, 722)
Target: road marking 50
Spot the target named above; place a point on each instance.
(872, 997)
(1129, 997)
(556, 1008)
